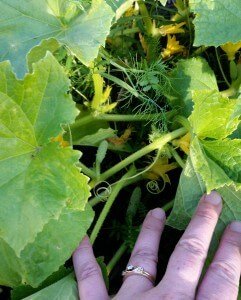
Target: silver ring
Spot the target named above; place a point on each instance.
(137, 270)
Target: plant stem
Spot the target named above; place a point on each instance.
(119, 118)
(119, 253)
(87, 171)
(115, 191)
(177, 157)
(157, 144)
(221, 68)
(168, 205)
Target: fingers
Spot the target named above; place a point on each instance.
(89, 276)
(222, 278)
(187, 260)
(145, 253)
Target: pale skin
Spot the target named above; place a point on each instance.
(182, 278)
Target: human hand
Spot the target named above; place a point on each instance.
(181, 279)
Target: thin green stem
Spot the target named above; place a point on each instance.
(221, 68)
(119, 253)
(133, 118)
(168, 205)
(183, 121)
(87, 171)
(157, 144)
(176, 156)
(118, 118)
(115, 191)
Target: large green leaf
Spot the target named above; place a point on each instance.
(64, 289)
(24, 24)
(39, 182)
(213, 115)
(217, 22)
(190, 189)
(215, 156)
(190, 74)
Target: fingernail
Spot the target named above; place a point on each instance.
(235, 226)
(213, 198)
(158, 213)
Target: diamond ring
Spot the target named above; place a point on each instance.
(137, 270)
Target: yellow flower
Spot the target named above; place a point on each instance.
(173, 47)
(171, 29)
(100, 102)
(231, 49)
(183, 143)
(160, 168)
(61, 141)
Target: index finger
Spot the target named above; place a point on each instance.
(91, 284)
(186, 263)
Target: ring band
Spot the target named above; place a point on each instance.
(137, 270)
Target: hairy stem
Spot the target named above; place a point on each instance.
(115, 191)
(157, 144)
(119, 118)
(87, 171)
(177, 157)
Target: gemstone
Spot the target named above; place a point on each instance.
(130, 268)
(139, 269)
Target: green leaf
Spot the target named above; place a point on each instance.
(214, 155)
(190, 189)
(64, 289)
(217, 22)
(55, 244)
(98, 136)
(216, 169)
(190, 74)
(189, 192)
(30, 21)
(212, 116)
(39, 182)
(23, 291)
(39, 52)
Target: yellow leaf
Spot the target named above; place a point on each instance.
(231, 49)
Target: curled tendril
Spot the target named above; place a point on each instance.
(153, 187)
(102, 190)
